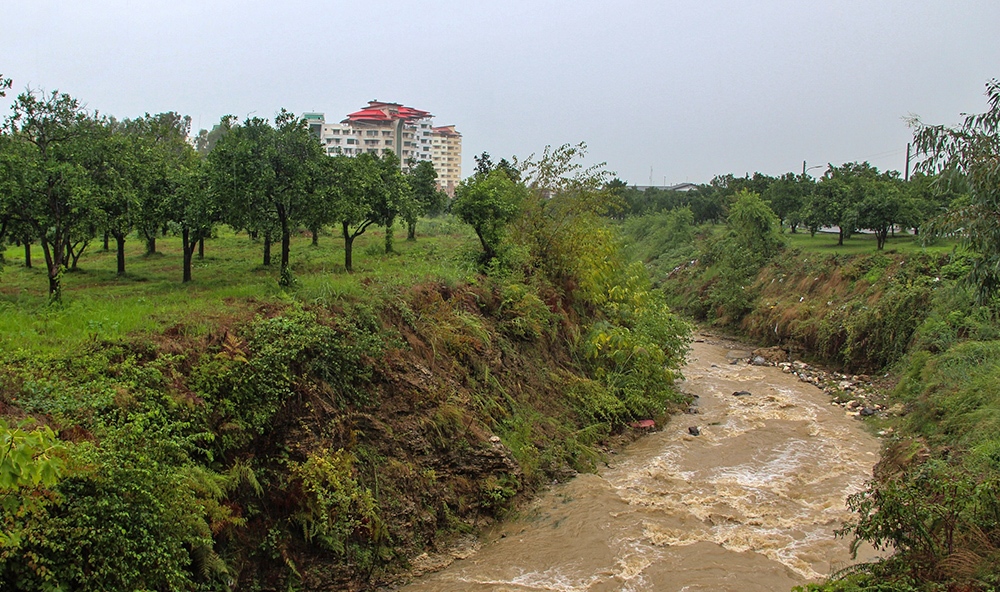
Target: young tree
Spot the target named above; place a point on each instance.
(970, 151)
(51, 192)
(754, 227)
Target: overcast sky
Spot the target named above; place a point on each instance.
(676, 91)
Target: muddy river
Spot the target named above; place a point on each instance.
(751, 503)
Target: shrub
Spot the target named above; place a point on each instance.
(336, 511)
(247, 382)
(127, 519)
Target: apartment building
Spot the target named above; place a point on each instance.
(446, 154)
(407, 132)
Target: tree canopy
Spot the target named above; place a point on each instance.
(970, 153)
(49, 188)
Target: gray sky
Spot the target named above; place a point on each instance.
(688, 89)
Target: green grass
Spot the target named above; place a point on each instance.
(98, 305)
(826, 243)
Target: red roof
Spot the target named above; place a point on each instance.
(446, 130)
(378, 111)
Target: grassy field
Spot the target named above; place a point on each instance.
(859, 244)
(99, 305)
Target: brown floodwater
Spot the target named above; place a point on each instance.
(749, 504)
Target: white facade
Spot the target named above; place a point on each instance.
(407, 133)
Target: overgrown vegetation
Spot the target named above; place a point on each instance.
(257, 430)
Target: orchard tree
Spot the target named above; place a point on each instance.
(295, 160)
(489, 203)
(115, 167)
(5, 84)
(929, 197)
(206, 140)
(264, 176)
(837, 197)
(883, 206)
(163, 150)
(427, 198)
(50, 190)
(787, 197)
(194, 208)
(970, 152)
(351, 185)
(241, 177)
(390, 197)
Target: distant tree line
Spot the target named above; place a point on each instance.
(851, 197)
(69, 176)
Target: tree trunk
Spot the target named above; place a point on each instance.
(54, 252)
(488, 253)
(348, 248)
(201, 248)
(411, 231)
(388, 239)
(840, 237)
(267, 249)
(107, 238)
(880, 236)
(286, 246)
(73, 253)
(150, 244)
(315, 236)
(188, 249)
(27, 253)
(120, 240)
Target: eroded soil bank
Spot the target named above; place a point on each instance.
(749, 503)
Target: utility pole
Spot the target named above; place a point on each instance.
(907, 176)
(803, 168)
